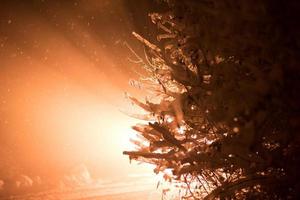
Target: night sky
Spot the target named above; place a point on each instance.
(63, 74)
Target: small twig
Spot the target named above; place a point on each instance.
(202, 185)
(189, 187)
(146, 42)
(132, 51)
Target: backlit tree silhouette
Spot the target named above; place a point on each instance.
(223, 111)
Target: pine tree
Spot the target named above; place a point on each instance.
(223, 111)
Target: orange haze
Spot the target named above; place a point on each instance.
(63, 74)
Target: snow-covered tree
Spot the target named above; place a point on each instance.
(222, 112)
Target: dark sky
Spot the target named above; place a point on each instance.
(63, 72)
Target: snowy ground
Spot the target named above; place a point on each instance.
(132, 188)
(89, 195)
